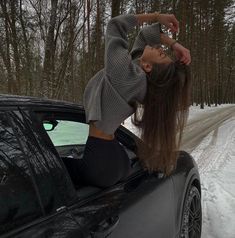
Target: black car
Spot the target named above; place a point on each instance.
(39, 139)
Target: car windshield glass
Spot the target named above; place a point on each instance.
(68, 133)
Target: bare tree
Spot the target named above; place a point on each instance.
(48, 64)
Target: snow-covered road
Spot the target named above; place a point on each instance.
(210, 137)
(200, 125)
(215, 156)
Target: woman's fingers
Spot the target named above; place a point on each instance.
(182, 54)
(174, 24)
(186, 60)
(187, 57)
(170, 21)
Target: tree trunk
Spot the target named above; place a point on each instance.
(116, 7)
(15, 45)
(49, 52)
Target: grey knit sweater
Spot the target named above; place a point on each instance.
(111, 92)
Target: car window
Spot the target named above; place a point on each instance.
(55, 186)
(66, 132)
(18, 200)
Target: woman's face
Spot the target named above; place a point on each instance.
(155, 55)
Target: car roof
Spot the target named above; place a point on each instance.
(16, 100)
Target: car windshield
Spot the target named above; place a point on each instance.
(67, 132)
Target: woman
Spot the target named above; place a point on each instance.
(127, 80)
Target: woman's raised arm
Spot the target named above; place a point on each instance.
(168, 20)
(118, 63)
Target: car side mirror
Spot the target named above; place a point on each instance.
(50, 125)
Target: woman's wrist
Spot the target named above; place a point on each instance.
(167, 41)
(148, 17)
(157, 15)
(172, 44)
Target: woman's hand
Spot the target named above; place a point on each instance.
(169, 21)
(181, 53)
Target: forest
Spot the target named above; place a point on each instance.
(52, 48)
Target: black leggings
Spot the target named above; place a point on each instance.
(104, 163)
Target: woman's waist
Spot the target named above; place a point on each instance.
(95, 132)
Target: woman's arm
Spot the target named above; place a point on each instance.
(150, 35)
(168, 20)
(117, 59)
(166, 40)
(180, 51)
(118, 63)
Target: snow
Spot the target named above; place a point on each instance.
(195, 111)
(215, 156)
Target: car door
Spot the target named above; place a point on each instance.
(148, 211)
(32, 181)
(95, 209)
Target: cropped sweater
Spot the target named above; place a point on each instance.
(110, 93)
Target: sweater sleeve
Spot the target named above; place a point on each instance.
(118, 62)
(149, 35)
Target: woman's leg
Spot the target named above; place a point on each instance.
(105, 162)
